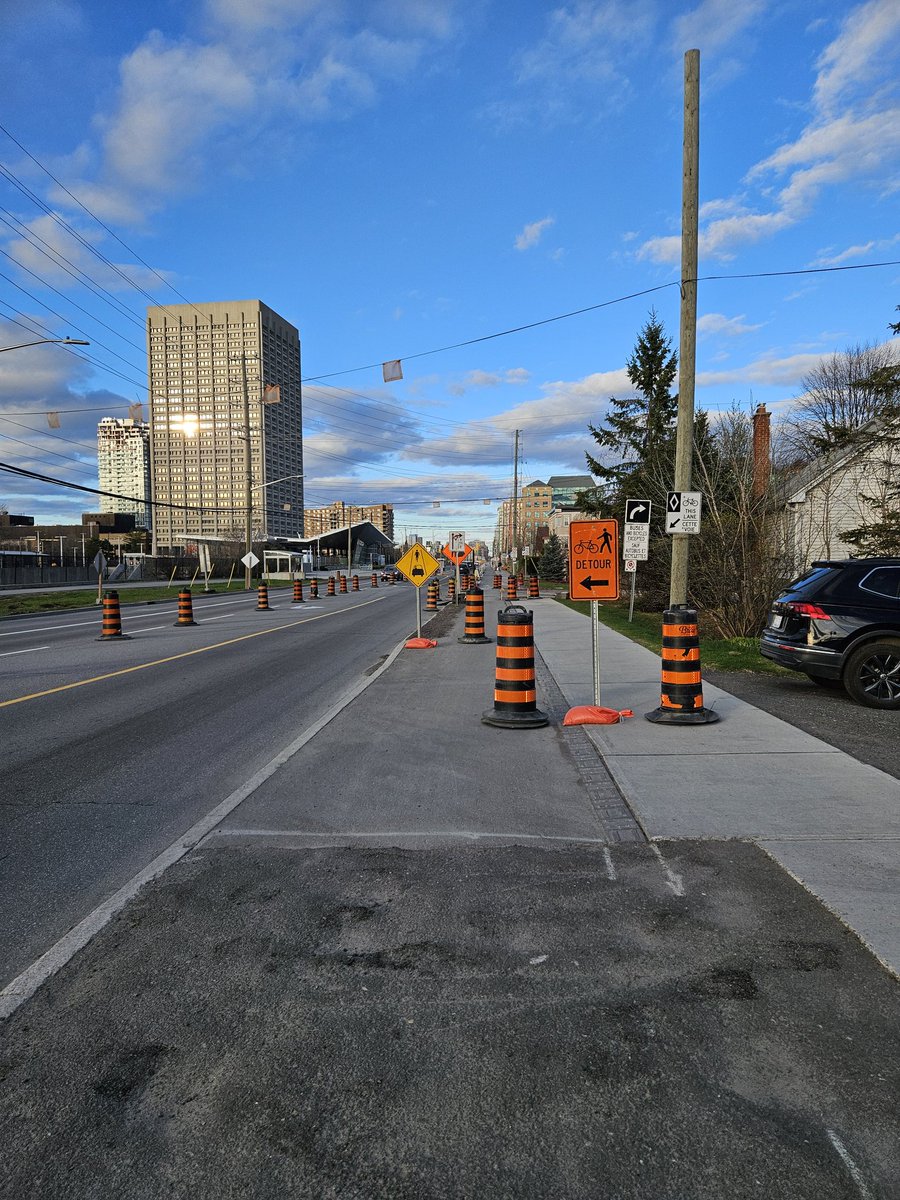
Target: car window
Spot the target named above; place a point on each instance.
(883, 581)
(810, 580)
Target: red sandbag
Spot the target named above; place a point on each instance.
(590, 714)
(418, 643)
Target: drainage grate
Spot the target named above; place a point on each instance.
(616, 818)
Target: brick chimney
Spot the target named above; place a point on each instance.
(762, 455)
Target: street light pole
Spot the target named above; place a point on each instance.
(248, 479)
(66, 341)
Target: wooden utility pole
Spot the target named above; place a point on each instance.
(690, 195)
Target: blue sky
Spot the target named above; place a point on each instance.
(399, 176)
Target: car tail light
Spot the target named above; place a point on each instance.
(802, 609)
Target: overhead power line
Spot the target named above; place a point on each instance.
(603, 304)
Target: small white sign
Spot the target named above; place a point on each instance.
(250, 559)
(636, 542)
(630, 565)
(457, 542)
(683, 512)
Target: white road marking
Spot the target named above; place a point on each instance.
(673, 879)
(610, 866)
(855, 1173)
(31, 650)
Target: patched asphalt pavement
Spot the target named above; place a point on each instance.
(668, 1022)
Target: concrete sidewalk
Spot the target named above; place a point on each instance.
(831, 821)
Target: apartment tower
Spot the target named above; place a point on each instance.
(123, 465)
(225, 419)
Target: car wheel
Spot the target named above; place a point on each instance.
(872, 674)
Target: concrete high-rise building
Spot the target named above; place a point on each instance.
(214, 370)
(123, 465)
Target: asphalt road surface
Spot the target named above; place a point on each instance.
(100, 776)
(679, 1022)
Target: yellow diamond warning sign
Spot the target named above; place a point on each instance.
(417, 565)
(594, 560)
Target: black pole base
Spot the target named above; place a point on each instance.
(113, 637)
(472, 638)
(668, 716)
(534, 719)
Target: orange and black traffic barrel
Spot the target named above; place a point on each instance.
(374, 579)
(314, 589)
(515, 692)
(342, 585)
(511, 591)
(330, 589)
(354, 585)
(534, 591)
(520, 580)
(298, 592)
(474, 630)
(432, 597)
(185, 608)
(498, 582)
(262, 597)
(451, 590)
(681, 702)
(111, 626)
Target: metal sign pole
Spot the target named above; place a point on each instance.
(418, 612)
(631, 602)
(595, 647)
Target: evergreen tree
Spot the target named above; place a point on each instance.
(638, 436)
(552, 564)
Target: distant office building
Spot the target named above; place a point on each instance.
(222, 375)
(564, 489)
(319, 521)
(529, 529)
(123, 464)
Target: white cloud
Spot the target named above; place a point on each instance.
(771, 371)
(531, 234)
(860, 143)
(860, 55)
(713, 24)
(716, 323)
(553, 426)
(184, 108)
(831, 258)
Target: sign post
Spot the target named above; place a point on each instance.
(417, 565)
(594, 575)
(635, 541)
(99, 567)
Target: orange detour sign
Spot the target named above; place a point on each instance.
(594, 560)
(417, 565)
(457, 556)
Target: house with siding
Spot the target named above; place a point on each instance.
(840, 491)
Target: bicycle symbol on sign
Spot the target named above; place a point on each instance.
(591, 547)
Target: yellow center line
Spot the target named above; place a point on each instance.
(65, 687)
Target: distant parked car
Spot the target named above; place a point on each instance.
(839, 623)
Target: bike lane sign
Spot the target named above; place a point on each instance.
(594, 560)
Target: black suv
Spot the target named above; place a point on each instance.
(840, 624)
